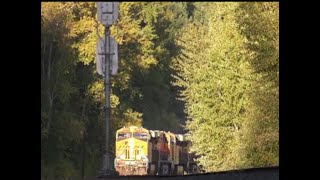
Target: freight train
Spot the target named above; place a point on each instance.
(140, 151)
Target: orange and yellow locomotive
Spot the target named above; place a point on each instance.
(140, 151)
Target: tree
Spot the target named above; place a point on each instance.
(146, 33)
(259, 23)
(72, 116)
(221, 59)
(217, 69)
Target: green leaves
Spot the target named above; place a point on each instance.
(72, 96)
(67, 106)
(224, 91)
(217, 62)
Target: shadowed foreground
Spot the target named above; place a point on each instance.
(270, 173)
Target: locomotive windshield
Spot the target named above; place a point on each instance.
(140, 135)
(123, 135)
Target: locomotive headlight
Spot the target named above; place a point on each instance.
(122, 156)
(138, 156)
(145, 159)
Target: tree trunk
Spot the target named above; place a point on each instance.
(43, 57)
(49, 62)
(50, 113)
(83, 154)
(83, 139)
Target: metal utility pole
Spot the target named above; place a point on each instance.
(107, 97)
(107, 59)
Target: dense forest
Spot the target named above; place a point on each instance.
(207, 69)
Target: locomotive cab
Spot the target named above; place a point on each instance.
(132, 151)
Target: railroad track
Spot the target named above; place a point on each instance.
(269, 173)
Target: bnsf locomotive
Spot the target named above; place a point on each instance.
(140, 151)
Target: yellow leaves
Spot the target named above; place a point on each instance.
(128, 32)
(128, 29)
(84, 34)
(114, 101)
(116, 34)
(84, 25)
(96, 90)
(146, 61)
(124, 8)
(51, 8)
(122, 80)
(76, 22)
(134, 118)
(128, 118)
